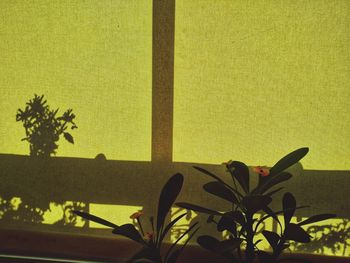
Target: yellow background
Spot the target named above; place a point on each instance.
(255, 80)
(92, 56)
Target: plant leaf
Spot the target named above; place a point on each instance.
(254, 203)
(317, 218)
(272, 214)
(189, 238)
(169, 226)
(296, 233)
(68, 137)
(271, 181)
(257, 242)
(198, 208)
(240, 171)
(129, 231)
(237, 216)
(202, 170)
(268, 211)
(288, 160)
(167, 197)
(208, 242)
(289, 206)
(209, 173)
(227, 223)
(220, 190)
(272, 238)
(95, 219)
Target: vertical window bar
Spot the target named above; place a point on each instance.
(163, 79)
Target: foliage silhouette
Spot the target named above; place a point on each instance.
(25, 211)
(242, 222)
(43, 128)
(33, 211)
(152, 242)
(333, 237)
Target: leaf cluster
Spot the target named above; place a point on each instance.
(242, 221)
(153, 242)
(43, 127)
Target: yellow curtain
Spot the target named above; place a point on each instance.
(255, 80)
(92, 56)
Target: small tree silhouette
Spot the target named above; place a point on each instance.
(43, 128)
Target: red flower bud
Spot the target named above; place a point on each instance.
(263, 171)
(136, 215)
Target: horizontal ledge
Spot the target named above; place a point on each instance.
(134, 183)
(92, 248)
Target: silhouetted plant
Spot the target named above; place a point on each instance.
(26, 210)
(43, 127)
(242, 222)
(33, 211)
(152, 241)
(335, 237)
(181, 227)
(68, 218)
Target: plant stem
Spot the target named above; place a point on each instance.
(140, 225)
(249, 253)
(277, 252)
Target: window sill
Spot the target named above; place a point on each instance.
(100, 249)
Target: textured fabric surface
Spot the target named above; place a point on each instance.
(257, 79)
(253, 81)
(92, 56)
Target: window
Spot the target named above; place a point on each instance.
(254, 80)
(91, 56)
